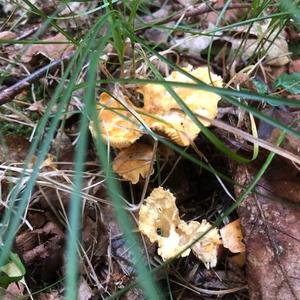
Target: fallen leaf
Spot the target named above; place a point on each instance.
(14, 290)
(271, 233)
(232, 237)
(133, 162)
(272, 43)
(37, 106)
(118, 127)
(118, 247)
(95, 237)
(7, 35)
(51, 51)
(192, 45)
(43, 247)
(156, 35)
(159, 220)
(271, 134)
(12, 271)
(85, 292)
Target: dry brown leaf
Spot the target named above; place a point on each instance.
(95, 237)
(119, 131)
(51, 51)
(271, 233)
(7, 35)
(14, 290)
(133, 162)
(37, 106)
(159, 220)
(191, 44)
(232, 237)
(84, 292)
(272, 42)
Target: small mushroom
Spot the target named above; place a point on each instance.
(159, 220)
(133, 162)
(232, 237)
(177, 125)
(119, 127)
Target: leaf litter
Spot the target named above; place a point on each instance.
(170, 200)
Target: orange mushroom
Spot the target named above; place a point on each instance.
(178, 126)
(159, 220)
(133, 162)
(119, 127)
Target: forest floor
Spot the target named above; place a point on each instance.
(149, 149)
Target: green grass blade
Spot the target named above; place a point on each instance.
(63, 94)
(75, 204)
(38, 12)
(211, 137)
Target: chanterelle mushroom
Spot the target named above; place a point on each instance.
(159, 220)
(179, 127)
(133, 162)
(161, 112)
(119, 127)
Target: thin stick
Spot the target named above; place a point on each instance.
(8, 94)
(201, 9)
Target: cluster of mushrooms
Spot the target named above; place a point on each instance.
(121, 126)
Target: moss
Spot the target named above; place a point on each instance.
(15, 129)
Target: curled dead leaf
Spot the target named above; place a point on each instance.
(118, 126)
(7, 35)
(159, 220)
(232, 237)
(52, 51)
(133, 162)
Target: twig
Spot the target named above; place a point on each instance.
(8, 94)
(192, 12)
(28, 32)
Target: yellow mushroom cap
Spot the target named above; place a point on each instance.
(118, 127)
(178, 126)
(158, 100)
(159, 220)
(133, 162)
